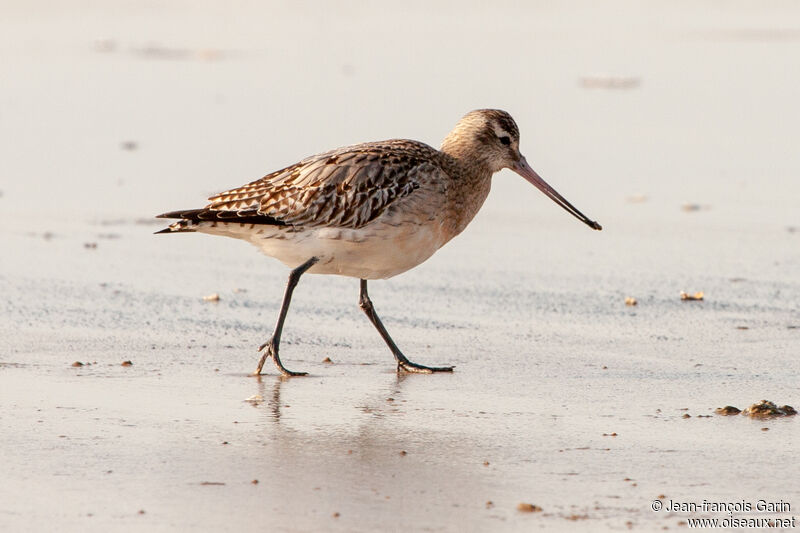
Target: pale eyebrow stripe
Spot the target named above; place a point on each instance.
(500, 132)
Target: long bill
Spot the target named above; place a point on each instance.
(522, 168)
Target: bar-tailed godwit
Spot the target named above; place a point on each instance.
(369, 211)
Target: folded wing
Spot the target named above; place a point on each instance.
(347, 188)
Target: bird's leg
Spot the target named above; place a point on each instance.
(274, 342)
(402, 361)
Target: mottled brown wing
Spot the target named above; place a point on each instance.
(347, 188)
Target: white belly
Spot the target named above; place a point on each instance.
(377, 251)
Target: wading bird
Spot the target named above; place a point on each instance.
(369, 211)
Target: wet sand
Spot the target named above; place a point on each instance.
(563, 396)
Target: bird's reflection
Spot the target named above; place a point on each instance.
(273, 399)
(376, 403)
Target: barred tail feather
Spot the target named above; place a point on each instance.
(190, 218)
(179, 226)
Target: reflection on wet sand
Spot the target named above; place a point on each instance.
(268, 396)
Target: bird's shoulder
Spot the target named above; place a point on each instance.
(346, 187)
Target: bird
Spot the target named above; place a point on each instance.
(369, 211)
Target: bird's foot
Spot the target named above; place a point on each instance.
(271, 350)
(414, 368)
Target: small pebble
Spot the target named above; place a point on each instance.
(698, 296)
(576, 517)
(528, 508)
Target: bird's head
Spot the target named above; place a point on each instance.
(489, 138)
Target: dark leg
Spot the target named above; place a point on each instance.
(274, 342)
(402, 361)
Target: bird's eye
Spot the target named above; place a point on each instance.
(505, 140)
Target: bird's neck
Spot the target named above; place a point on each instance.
(469, 159)
(471, 180)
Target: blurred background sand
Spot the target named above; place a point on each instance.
(671, 123)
